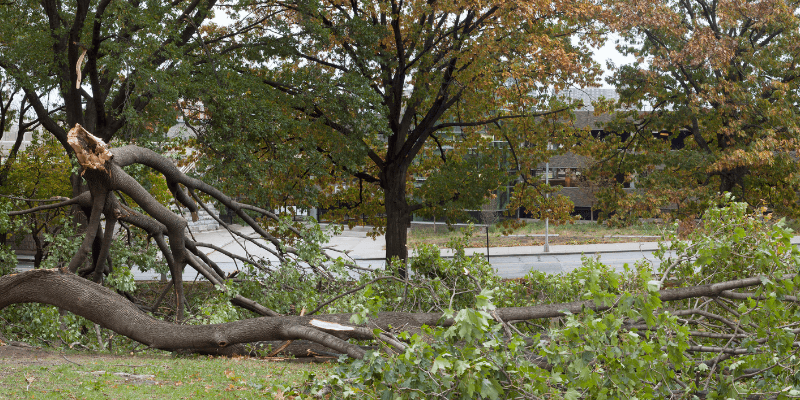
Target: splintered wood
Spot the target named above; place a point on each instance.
(91, 151)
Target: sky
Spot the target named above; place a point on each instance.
(609, 52)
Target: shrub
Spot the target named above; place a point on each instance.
(736, 345)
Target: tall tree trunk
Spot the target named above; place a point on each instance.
(731, 179)
(398, 214)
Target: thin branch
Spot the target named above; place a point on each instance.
(319, 307)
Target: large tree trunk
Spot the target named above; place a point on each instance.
(112, 311)
(732, 179)
(398, 214)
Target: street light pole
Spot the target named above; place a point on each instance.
(547, 218)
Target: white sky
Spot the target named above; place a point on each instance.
(609, 53)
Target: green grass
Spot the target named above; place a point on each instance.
(50, 376)
(577, 233)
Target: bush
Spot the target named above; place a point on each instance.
(729, 346)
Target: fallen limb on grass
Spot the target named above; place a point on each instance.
(114, 312)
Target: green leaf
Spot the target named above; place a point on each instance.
(572, 394)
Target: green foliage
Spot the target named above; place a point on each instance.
(41, 171)
(640, 348)
(473, 359)
(43, 325)
(712, 78)
(128, 251)
(217, 308)
(434, 282)
(152, 181)
(581, 283)
(462, 363)
(287, 290)
(8, 259)
(730, 242)
(61, 246)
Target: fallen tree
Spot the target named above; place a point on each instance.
(694, 336)
(107, 181)
(113, 311)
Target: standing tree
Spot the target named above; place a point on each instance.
(95, 71)
(386, 108)
(721, 80)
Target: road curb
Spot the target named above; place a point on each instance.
(643, 246)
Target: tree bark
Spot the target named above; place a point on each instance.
(398, 215)
(112, 311)
(731, 179)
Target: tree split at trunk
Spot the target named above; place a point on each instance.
(102, 169)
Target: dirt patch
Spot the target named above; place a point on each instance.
(531, 233)
(25, 355)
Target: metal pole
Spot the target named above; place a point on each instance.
(547, 219)
(487, 242)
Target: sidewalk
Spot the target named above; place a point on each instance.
(510, 262)
(359, 246)
(364, 248)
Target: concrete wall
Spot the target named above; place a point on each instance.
(8, 139)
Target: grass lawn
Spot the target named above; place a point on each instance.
(532, 234)
(40, 374)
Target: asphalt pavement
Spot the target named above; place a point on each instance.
(510, 262)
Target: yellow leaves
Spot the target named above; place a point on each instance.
(680, 34)
(627, 15)
(758, 13)
(230, 374)
(741, 158)
(704, 46)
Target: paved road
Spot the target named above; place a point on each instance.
(519, 266)
(510, 262)
(507, 266)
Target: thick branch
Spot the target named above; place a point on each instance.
(114, 312)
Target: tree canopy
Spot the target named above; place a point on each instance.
(387, 108)
(117, 69)
(719, 79)
(110, 65)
